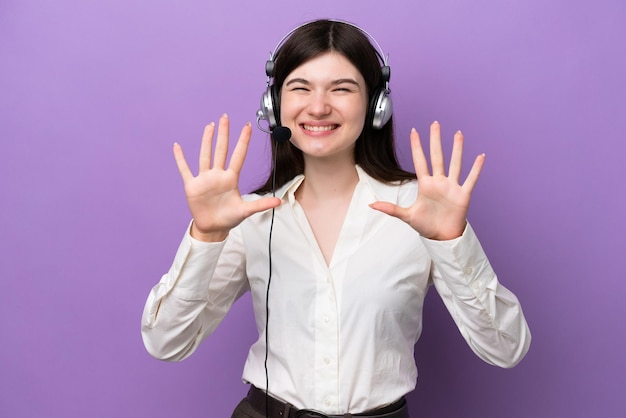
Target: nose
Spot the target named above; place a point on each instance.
(319, 104)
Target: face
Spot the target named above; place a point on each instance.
(324, 103)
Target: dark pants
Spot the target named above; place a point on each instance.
(245, 410)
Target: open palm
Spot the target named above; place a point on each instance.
(213, 195)
(440, 209)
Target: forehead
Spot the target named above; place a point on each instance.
(328, 66)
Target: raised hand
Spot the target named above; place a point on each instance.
(213, 195)
(440, 210)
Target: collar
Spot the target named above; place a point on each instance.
(381, 191)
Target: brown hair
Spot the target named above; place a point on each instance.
(374, 149)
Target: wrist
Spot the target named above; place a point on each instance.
(204, 236)
(450, 234)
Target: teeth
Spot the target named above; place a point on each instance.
(319, 128)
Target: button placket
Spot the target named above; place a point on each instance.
(326, 344)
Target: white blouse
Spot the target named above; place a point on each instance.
(341, 336)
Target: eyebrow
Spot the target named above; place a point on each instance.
(334, 82)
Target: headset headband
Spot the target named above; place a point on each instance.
(269, 65)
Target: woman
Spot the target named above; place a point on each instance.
(353, 245)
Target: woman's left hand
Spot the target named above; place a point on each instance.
(440, 210)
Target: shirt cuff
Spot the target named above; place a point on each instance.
(193, 267)
(462, 262)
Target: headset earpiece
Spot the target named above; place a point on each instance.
(380, 108)
(269, 110)
(275, 115)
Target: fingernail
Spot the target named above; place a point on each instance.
(435, 122)
(225, 116)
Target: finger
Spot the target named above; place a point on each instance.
(183, 167)
(456, 158)
(205, 147)
(241, 149)
(391, 210)
(436, 153)
(261, 204)
(472, 177)
(419, 159)
(221, 146)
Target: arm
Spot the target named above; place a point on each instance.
(488, 315)
(193, 297)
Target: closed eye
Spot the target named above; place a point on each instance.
(342, 85)
(297, 84)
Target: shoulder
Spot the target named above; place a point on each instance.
(406, 191)
(402, 193)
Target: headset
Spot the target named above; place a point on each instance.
(380, 108)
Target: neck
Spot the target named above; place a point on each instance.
(329, 181)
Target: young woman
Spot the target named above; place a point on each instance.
(338, 248)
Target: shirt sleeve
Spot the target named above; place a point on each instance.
(193, 297)
(488, 315)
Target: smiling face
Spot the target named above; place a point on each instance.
(324, 103)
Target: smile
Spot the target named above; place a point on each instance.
(315, 128)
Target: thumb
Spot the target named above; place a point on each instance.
(390, 209)
(260, 205)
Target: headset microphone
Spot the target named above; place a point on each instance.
(278, 133)
(281, 134)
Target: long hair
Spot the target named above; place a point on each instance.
(374, 150)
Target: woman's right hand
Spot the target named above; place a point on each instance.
(213, 195)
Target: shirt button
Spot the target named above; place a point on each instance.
(327, 360)
(326, 319)
(468, 271)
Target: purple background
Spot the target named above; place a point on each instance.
(94, 93)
